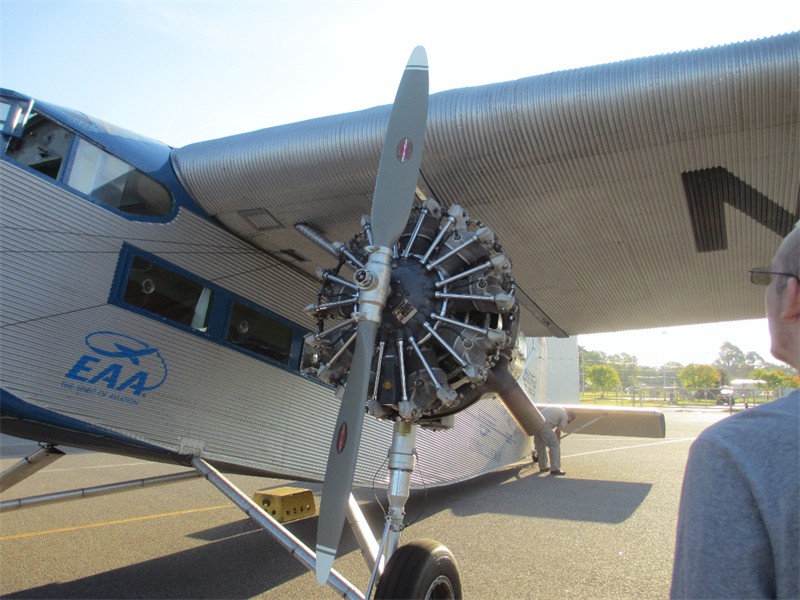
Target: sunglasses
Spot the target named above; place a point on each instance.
(763, 276)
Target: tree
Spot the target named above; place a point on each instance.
(699, 376)
(732, 360)
(792, 381)
(603, 377)
(592, 357)
(754, 361)
(776, 379)
(669, 373)
(627, 366)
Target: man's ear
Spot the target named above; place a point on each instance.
(791, 311)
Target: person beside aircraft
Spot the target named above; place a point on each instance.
(547, 439)
(739, 519)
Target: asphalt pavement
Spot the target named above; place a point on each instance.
(605, 530)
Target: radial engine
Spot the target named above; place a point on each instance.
(451, 316)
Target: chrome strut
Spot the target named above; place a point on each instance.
(402, 460)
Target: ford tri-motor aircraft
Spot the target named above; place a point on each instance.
(241, 304)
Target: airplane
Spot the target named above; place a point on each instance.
(218, 306)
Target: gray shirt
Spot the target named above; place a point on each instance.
(739, 520)
(555, 416)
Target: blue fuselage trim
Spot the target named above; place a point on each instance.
(25, 420)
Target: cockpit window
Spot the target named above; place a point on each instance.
(108, 179)
(5, 111)
(45, 147)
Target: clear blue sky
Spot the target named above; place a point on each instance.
(189, 71)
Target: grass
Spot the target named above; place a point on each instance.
(683, 398)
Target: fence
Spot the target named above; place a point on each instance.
(677, 396)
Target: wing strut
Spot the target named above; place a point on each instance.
(284, 537)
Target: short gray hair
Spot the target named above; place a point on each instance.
(788, 255)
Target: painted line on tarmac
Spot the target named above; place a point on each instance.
(676, 441)
(88, 467)
(190, 511)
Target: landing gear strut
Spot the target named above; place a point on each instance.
(422, 568)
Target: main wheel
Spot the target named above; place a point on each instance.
(420, 569)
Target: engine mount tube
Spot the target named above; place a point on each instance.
(517, 402)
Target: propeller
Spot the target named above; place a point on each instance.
(398, 172)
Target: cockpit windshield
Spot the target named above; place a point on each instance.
(54, 151)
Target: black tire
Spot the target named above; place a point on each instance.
(420, 569)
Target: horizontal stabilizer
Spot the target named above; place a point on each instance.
(615, 420)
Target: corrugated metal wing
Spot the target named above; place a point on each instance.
(581, 173)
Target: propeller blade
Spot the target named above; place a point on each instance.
(396, 182)
(514, 398)
(344, 451)
(401, 157)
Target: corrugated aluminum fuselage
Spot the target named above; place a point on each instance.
(60, 257)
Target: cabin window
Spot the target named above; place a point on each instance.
(147, 284)
(161, 291)
(252, 330)
(114, 182)
(43, 147)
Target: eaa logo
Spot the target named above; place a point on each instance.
(120, 363)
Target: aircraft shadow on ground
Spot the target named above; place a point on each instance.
(239, 561)
(523, 491)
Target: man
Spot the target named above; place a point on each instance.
(739, 525)
(547, 439)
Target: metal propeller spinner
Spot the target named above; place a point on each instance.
(396, 182)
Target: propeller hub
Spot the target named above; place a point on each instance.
(364, 279)
(412, 298)
(373, 282)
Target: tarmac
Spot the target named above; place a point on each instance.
(605, 530)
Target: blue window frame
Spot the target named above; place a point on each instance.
(165, 292)
(254, 331)
(151, 286)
